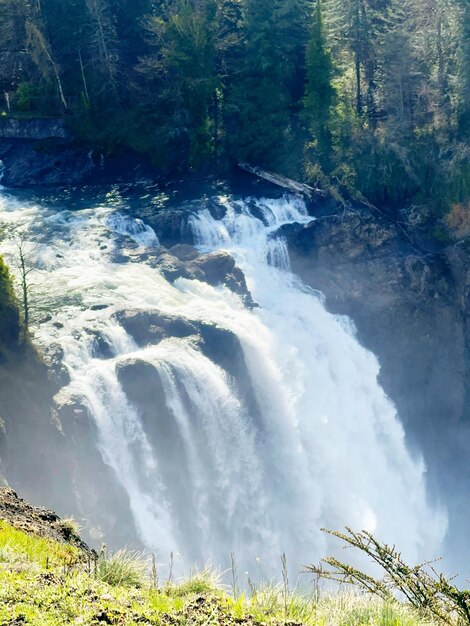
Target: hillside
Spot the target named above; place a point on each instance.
(368, 96)
(49, 577)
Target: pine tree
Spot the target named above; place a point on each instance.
(464, 69)
(320, 93)
(355, 26)
(271, 82)
(182, 68)
(260, 91)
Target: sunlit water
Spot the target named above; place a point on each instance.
(323, 448)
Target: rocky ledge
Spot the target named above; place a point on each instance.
(184, 261)
(37, 521)
(43, 160)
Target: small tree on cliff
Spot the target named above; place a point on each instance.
(25, 270)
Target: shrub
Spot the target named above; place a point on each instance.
(421, 586)
(69, 527)
(24, 97)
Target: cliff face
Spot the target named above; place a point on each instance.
(409, 299)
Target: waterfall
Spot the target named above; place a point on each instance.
(320, 445)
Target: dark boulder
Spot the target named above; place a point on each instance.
(9, 326)
(151, 327)
(184, 261)
(100, 346)
(173, 268)
(43, 162)
(219, 268)
(172, 227)
(184, 252)
(141, 382)
(144, 388)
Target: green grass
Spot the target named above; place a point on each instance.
(122, 569)
(46, 583)
(35, 551)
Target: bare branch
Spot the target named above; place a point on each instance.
(421, 585)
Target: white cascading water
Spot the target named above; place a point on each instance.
(324, 448)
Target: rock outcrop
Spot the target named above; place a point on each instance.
(37, 521)
(218, 344)
(408, 297)
(41, 160)
(184, 261)
(11, 128)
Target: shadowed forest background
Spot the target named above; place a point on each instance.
(368, 97)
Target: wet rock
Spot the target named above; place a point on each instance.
(42, 163)
(184, 261)
(173, 268)
(144, 388)
(151, 327)
(141, 382)
(74, 415)
(9, 325)
(219, 268)
(184, 252)
(171, 227)
(100, 346)
(221, 346)
(32, 129)
(53, 356)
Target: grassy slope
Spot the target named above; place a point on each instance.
(43, 582)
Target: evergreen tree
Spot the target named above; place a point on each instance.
(271, 82)
(320, 93)
(182, 68)
(260, 92)
(464, 70)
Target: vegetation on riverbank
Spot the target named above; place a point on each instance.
(44, 582)
(9, 312)
(369, 96)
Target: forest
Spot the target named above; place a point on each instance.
(369, 98)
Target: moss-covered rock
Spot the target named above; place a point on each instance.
(9, 312)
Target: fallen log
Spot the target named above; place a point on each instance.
(283, 181)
